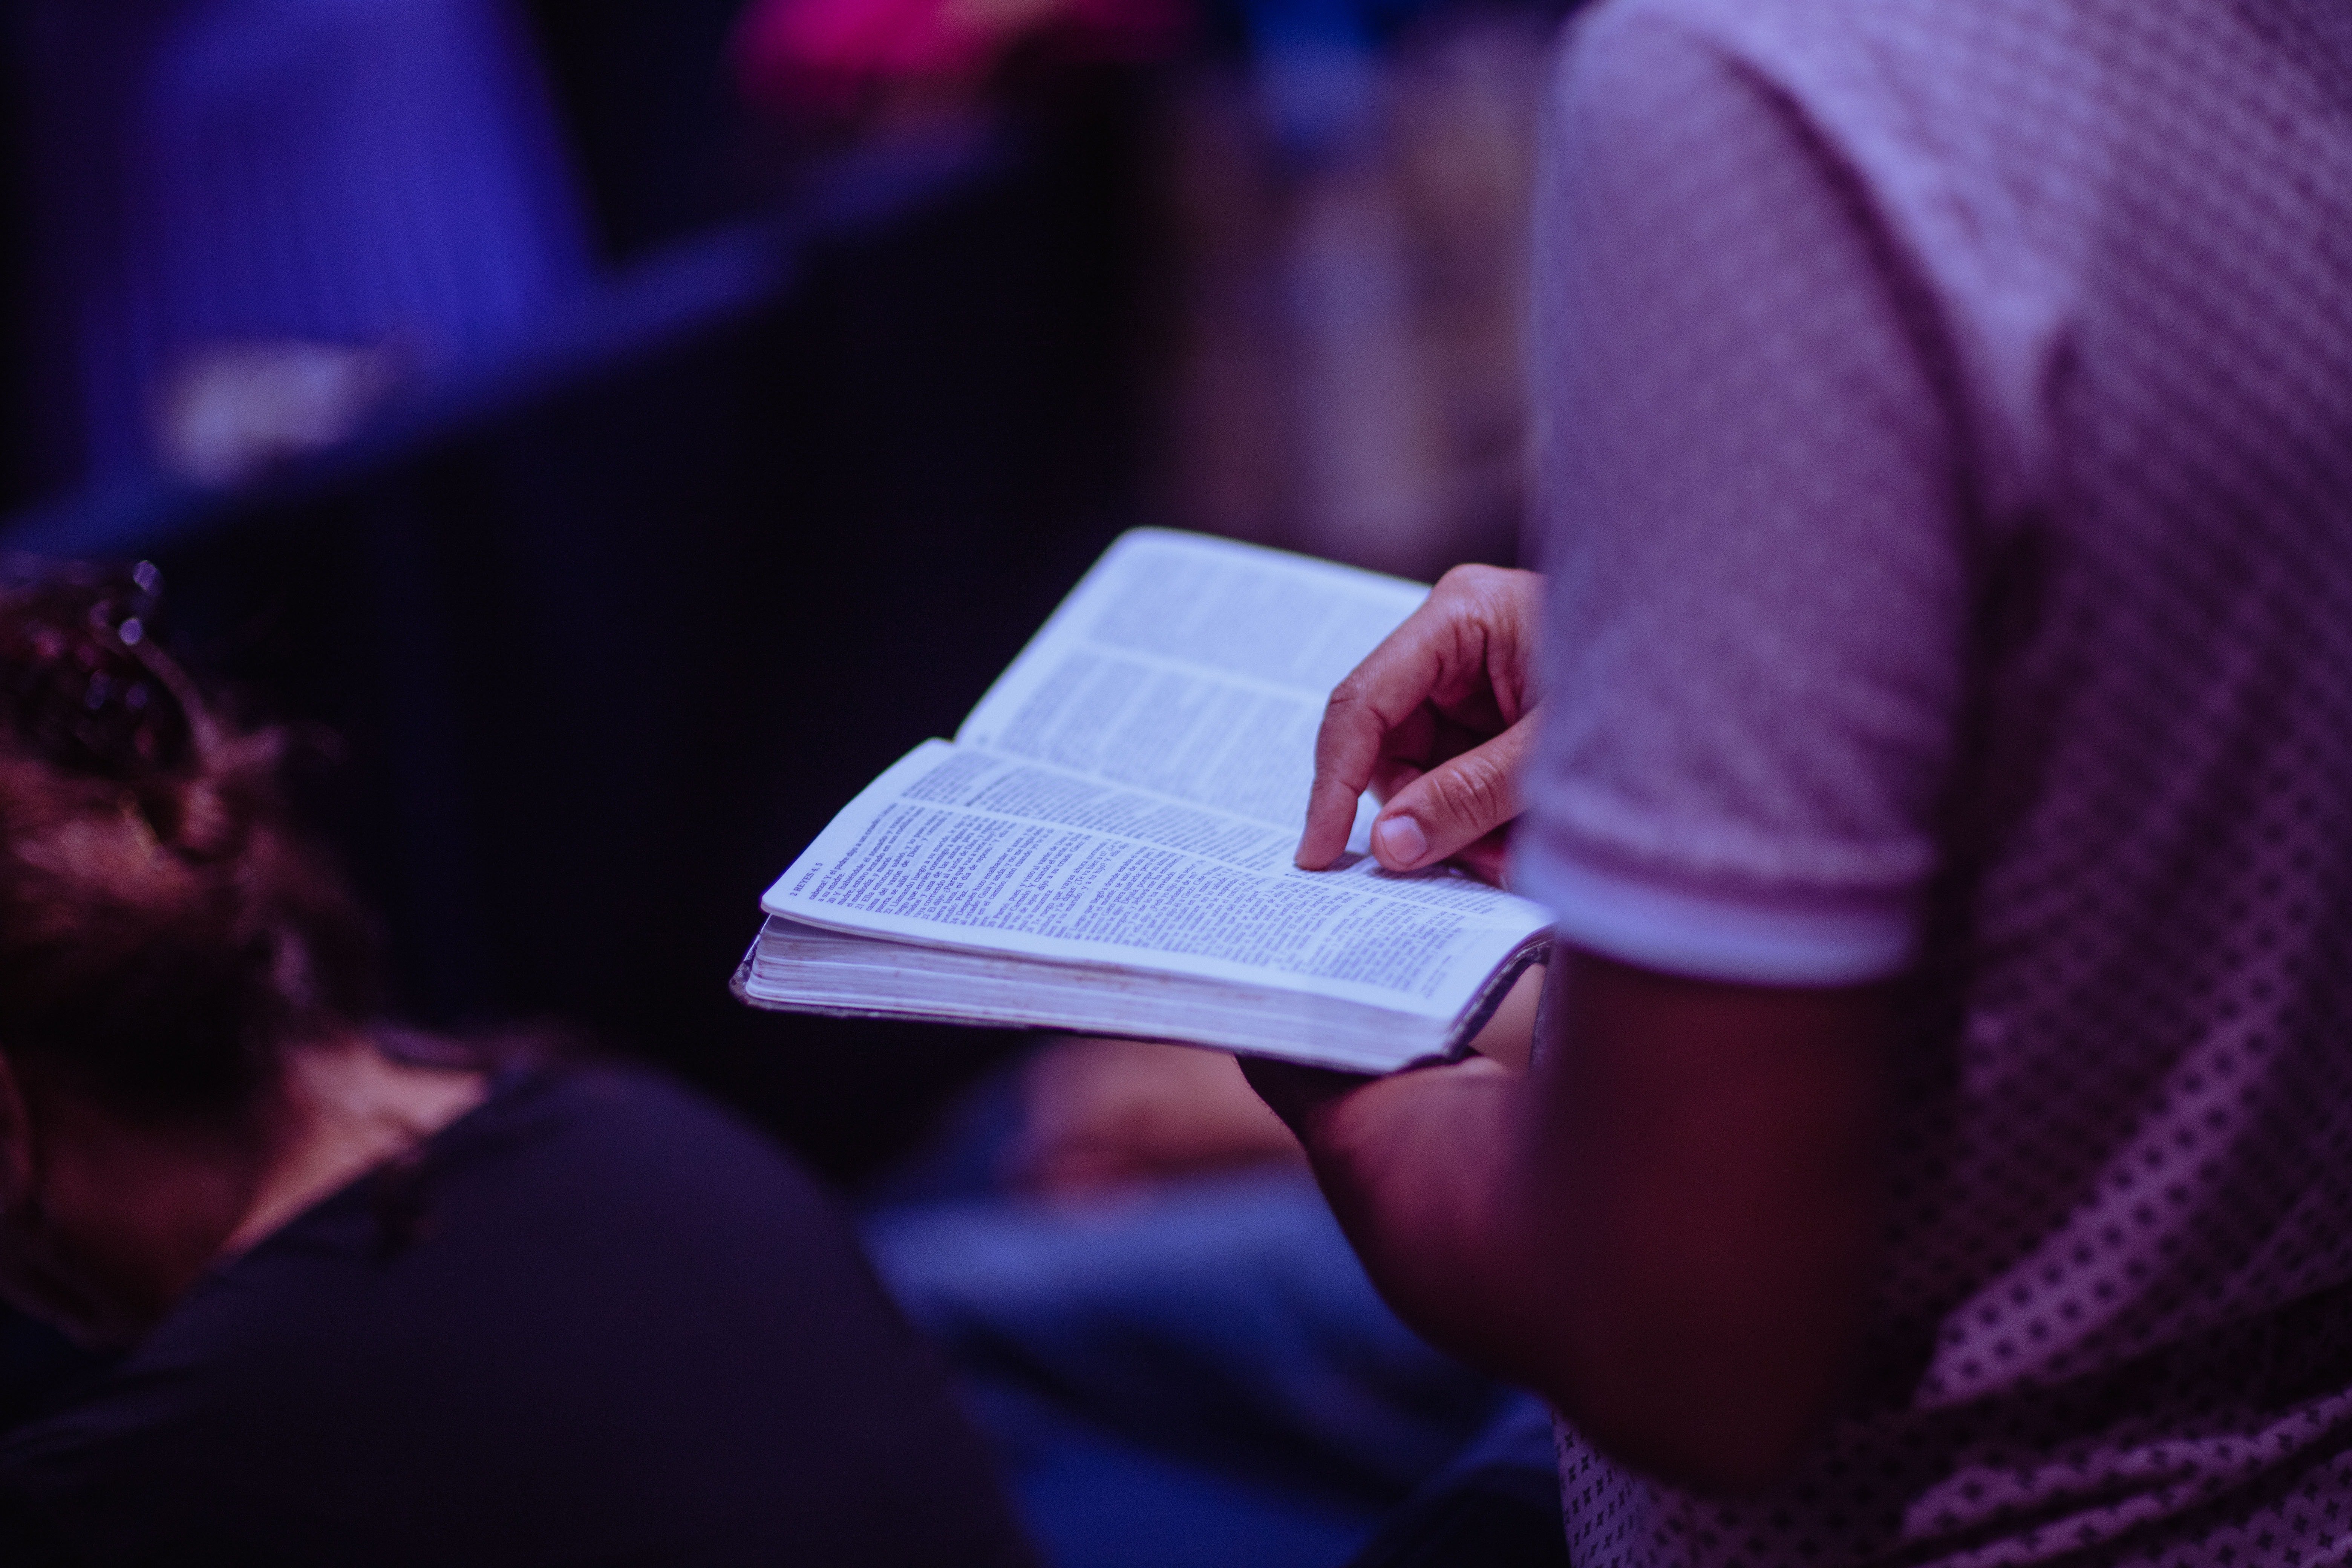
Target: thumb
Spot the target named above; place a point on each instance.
(1455, 804)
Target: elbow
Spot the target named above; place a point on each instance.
(1709, 1407)
(1725, 1448)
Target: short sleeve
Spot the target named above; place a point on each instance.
(1752, 518)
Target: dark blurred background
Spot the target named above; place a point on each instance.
(621, 429)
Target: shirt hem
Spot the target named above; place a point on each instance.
(1712, 936)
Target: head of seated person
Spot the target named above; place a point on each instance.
(184, 977)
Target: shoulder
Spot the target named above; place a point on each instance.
(1713, 102)
(2020, 106)
(1965, 83)
(609, 1198)
(598, 1276)
(1914, 42)
(593, 1168)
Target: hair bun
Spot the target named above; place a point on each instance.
(166, 930)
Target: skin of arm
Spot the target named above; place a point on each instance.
(1667, 1226)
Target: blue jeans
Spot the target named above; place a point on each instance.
(1199, 1372)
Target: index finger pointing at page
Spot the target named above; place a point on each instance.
(1378, 695)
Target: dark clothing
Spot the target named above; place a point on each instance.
(593, 1321)
(1494, 1505)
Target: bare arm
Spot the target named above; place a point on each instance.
(1666, 1225)
(1667, 1228)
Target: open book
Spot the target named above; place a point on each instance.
(1105, 847)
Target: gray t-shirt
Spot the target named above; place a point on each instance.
(1946, 416)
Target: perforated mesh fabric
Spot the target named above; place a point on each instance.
(1948, 417)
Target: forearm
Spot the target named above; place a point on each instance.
(1422, 1171)
(1666, 1229)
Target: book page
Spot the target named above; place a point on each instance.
(963, 847)
(1195, 667)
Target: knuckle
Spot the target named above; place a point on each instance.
(1459, 582)
(1351, 707)
(1471, 580)
(1472, 792)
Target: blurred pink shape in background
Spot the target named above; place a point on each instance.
(829, 57)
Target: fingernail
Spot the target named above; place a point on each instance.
(1400, 840)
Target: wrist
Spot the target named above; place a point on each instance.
(1406, 1113)
(1419, 1169)
(1303, 1096)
